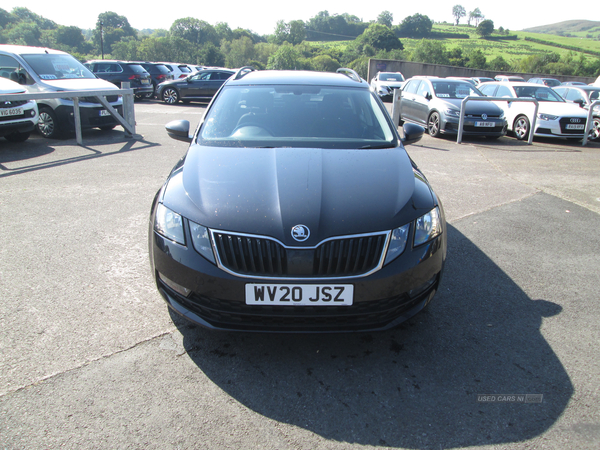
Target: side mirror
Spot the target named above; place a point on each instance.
(412, 133)
(428, 96)
(179, 130)
(580, 102)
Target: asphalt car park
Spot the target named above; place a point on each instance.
(91, 358)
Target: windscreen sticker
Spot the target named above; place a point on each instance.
(48, 77)
(444, 95)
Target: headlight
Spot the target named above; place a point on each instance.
(397, 243)
(453, 113)
(169, 224)
(428, 227)
(547, 117)
(501, 116)
(201, 241)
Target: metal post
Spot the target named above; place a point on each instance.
(590, 121)
(396, 107)
(77, 120)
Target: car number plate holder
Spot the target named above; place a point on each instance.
(104, 112)
(485, 124)
(299, 294)
(571, 126)
(11, 112)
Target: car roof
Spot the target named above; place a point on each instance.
(299, 77)
(24, 49)
(585, 87)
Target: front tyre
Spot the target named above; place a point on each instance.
(521, 128)
(170, 96)
(48, 125)
(433, 125)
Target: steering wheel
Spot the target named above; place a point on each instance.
(252, 129)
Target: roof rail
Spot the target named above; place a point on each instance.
(349, 73)
(243, 71)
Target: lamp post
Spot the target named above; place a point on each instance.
(102, 38)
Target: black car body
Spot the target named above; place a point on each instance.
(158, 72)
(118, 72)
(296, 209)
(200, 86)
(435, 103)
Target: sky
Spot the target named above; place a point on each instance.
(262, 17)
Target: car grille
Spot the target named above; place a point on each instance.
(264, 257)
(110, 98)
(13, 104)
(564, 121)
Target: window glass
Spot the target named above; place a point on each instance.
(50, 66)
(297, 116)
(451, 89)
(12, 70)
(412, 86)
(541, 93)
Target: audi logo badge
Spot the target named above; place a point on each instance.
(484, 116)
(575, 120)
(300, 233)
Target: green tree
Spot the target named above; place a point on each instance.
(292, 32)
(285, 58)
(379, 37)
(238, 52)
(111, 28)
(477, 59)
(429, 51)
(499, 64)
(476, 16)
(324, 63)
(458, 12)
(415, 26)
(24, 33)
(385, 18)
(485, 28)
(194, 30)
(72, 37)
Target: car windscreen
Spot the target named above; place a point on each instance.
(541, 93)
(449, 89)
(391, 77)
(297, 116)
(136, 68)
(50, 66)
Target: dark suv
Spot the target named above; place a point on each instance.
(159, 73)
(118, 72)
(200, 86)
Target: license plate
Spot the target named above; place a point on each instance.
(485, 124)
(104, 112)
(575, 127)
(11, 112)
(145, 81)
(300, 294)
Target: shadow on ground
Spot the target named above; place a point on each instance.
(416, 386)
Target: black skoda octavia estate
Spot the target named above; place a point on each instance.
(296, 209)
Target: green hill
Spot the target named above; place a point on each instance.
(575, 28)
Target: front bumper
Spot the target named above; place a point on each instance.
(91, 117)
(471, 128)
(215, 299)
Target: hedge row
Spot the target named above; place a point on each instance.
(566, 47)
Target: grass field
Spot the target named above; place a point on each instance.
(511, 50)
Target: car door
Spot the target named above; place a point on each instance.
(194, 86)
(408, 96)
(422, 102)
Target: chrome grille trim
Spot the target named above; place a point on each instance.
(340, 257)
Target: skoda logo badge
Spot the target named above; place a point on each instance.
(484, 116)
(300, 233)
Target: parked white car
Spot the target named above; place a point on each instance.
(555, 118)
(18, 118)
(178, 70)
(384, 84)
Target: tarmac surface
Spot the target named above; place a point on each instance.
(90, 356)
